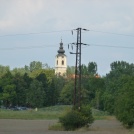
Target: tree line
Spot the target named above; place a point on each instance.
(37, 86)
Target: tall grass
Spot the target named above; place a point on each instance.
(49, 113)
(101, 115)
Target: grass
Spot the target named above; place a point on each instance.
(49, 113)
(101, 115)
(56, 127)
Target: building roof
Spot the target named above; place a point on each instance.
(61, 50)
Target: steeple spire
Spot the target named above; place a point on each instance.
(61, 50)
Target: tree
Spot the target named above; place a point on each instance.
(59, 83)
(18, 70)
(121, 67)
(84, 70)
(7, 88)
(124, 104)
(70, 70)
(21, 88)
(50, 93)
(92, 68)
(4, 69)
(114, 84)
(9, 94)
(49, 87)
(36, 94)
(66, 95)
(35, 65)
(42, 78)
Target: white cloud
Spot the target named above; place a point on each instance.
(5, 24)
(33, 15)
(19, 13)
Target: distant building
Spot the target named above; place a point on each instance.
(61, 62)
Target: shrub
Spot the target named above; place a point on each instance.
(124, 106)
(75, 119)
(87, 113)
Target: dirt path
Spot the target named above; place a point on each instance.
(41, 127)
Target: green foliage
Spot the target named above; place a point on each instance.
(50, 93)
(35, 65)
(84, 70)
(21, 71)
(37, 86)
(75, 119)
(20, 89)
(124, 108)
(36, 94)
(72, 120)
(59, 83)
(56, 127)
(52, 112)
(66, 95)
(87, 113)
(70, 70)
(114, 83)
(8, 93)
(4, 69)
(92, 68)
(95, 88)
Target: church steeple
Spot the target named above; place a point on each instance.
(61, 50)
(61, 61)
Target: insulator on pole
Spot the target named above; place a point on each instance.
(72, 32)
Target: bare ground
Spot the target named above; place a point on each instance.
(9, 126)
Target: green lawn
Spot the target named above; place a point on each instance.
(53, 112)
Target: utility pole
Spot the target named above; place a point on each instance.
(77, 83)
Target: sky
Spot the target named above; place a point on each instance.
(31, 30)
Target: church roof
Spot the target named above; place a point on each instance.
(61, 50)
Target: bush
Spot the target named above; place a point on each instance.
(124, 106)
(75, 119)
(87, 113)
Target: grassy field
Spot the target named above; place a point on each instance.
(53, 112)
(45, 119)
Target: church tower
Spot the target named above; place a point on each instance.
(61, 61)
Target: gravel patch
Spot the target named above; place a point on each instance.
(11, 126)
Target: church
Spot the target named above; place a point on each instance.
(61, 61)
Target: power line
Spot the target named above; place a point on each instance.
(47, 32)
(44, 46)
(112, 33)
(97, 45)
(27, 47)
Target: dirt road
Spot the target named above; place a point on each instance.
(8, 126)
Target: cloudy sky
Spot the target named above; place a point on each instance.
(31, 30)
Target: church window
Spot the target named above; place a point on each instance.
(62, 56)
(57, 62)
(62, 62)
